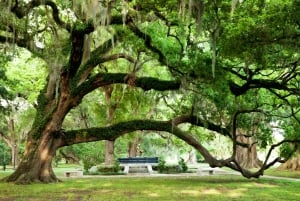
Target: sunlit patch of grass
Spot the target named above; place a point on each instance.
(150, 194)
(236, 192)
(192, 192)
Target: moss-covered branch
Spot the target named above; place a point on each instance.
(114, 131)
(104, 79)
(99, 56)
(22, 11)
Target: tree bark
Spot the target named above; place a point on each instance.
(110, 111)
(13, 143)
(44, 138)
(133, 147)
(36, 165)
(247, 156)
(291, 164)
(109, 152)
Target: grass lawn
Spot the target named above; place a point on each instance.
(154, 188)
(283, 173)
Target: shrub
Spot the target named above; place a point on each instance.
(117, 166)
(87, 164)
(161, 165)
(182, 165)
(106, 168)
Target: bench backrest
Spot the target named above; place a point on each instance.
(139, 160)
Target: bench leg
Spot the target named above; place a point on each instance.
(126, 169)
(149, 167)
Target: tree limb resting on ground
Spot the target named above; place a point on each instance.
(114, 131)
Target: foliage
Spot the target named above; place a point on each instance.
(161, 165)
(167, 168)
(182, 165)
(91, 153)
(5, 156)
(116, 166)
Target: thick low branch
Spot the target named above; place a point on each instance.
(104, 79)
(194, 120)
(90, 65)
(114, 131)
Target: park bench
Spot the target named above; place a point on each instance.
(208, 170)
(138, 162)
(74, 173)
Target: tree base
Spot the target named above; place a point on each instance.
(25, 178)
(291, 164)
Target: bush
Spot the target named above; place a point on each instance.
(161, 165)
(117, 166)
(106, 168)
(87, 164)
(168, 169)
(182, 165)
(5, 156)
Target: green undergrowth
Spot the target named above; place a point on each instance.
(154, 188)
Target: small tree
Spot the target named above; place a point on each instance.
(5, 157)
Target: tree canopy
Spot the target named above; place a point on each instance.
(229, 67)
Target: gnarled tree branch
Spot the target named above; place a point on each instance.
(103, 79)
(148, 43)
(114, 131)
(24, 11)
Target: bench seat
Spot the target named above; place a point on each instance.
(138, 162)
(210, 170)
(74, 173)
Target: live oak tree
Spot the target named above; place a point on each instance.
(216, 53)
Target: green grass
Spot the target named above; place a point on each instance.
(183, 188)
(154, 188)
(283, 173)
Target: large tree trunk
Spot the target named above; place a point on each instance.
(43, 140)
(247, 156)
(36, 164)
(110, 111)
(133, 147)
(291, 164)
(109, 152)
